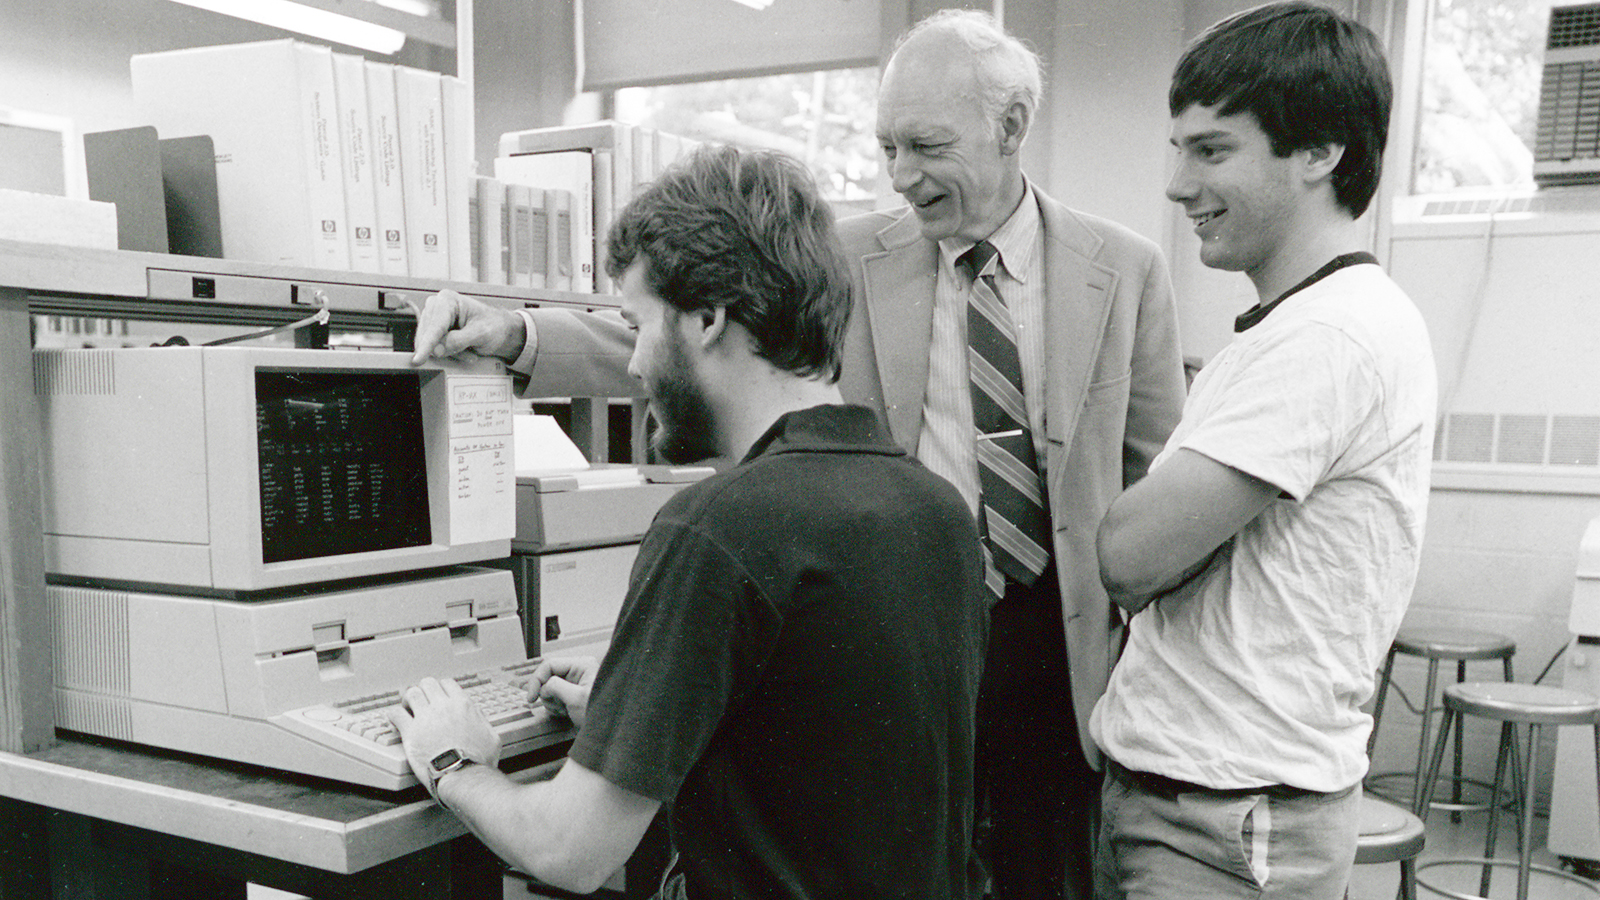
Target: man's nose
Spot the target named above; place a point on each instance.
(904, 173)
(1181, 186)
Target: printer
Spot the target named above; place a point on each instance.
(577, 535)
(1574, 820)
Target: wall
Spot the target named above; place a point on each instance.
(1104, 127)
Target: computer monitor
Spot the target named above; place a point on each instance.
(231, 470)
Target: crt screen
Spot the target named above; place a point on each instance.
(342, 463)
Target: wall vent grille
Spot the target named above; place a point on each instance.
(1519, 440)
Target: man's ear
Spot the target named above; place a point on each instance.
(1320, 161)
(710, 325)
(1014, 124)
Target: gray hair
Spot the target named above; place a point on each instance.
(1008, 72)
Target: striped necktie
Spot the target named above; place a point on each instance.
(1012, 510)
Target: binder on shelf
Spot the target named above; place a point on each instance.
(387, 182)
(493, 247)
(355, 143)
(560, 267)
(604, 200)
(616, 168)
(420, 101)
(526, 216)
(571, 171)
(458, 155)
(270, 109)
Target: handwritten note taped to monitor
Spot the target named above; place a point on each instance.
(482, 459)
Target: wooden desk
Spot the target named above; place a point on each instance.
(102, 822)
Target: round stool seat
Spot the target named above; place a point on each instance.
(1505, 701)
(1388, 833)
(1453, 643)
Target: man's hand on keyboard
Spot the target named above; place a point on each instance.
(563, 684)
(435, 716)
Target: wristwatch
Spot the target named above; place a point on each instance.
(442, 765)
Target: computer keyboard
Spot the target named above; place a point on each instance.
(360, 726)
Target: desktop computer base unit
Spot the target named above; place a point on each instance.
(298, 684)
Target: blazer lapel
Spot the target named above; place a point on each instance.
(899, 285)
(1075, 318)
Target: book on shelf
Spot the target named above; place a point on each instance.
(489, 215)
(419, 99)
(572, 172)
(525, 214)
(386, 177)
(560, 242)
(458, 156)
(621, 158)
(270, 108)
(355, 143)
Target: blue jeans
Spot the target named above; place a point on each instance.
(1163, 839)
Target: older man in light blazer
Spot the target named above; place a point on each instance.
(1095, 385)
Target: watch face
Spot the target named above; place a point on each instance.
(445, 760)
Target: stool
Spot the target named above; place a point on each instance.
(1390, 834)
(1436, 644)
(1509, 704)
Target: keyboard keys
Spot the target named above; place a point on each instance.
(504, 703)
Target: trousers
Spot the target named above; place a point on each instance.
(1035, 788)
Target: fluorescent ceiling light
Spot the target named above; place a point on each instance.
(755, 4)
(305, 20)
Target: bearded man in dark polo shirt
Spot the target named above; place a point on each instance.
(795, 669)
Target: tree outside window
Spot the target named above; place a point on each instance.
(1480, 93)
(825, 119)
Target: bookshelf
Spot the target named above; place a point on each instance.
(118, 284)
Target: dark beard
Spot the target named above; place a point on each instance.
(685, 431)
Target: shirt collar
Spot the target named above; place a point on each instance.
(1252, 317)
(826, 429)
(1015, 239)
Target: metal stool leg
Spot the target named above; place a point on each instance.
(1507, 748)
(1420, 802)
(1455, 783)
(1422, 742)
(1531, 770)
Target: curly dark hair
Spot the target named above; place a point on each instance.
(746, 230)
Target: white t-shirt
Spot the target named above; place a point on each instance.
(1255, 675)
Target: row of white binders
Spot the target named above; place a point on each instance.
(529, 237)
(324, 159)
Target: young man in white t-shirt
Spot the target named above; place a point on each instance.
(1269, 555)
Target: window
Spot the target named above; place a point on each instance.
(825, 119)
(1480, 93)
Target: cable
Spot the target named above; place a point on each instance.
(320, 317)
(1547, 666)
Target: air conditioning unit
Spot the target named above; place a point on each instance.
(1567, 147)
